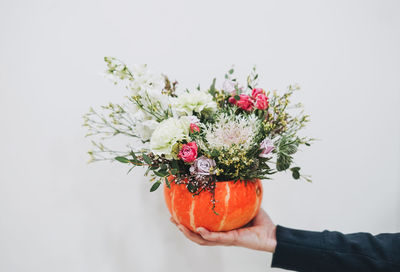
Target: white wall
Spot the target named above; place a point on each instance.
(59, 214)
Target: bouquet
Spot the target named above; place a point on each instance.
(197, 139)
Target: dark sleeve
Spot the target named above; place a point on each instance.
(333, 251)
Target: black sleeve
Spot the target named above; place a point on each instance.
(333, 251)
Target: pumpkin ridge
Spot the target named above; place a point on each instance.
(227, 197)
(173, 205)
(191, 215)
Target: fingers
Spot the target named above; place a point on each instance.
(208, 238)
(194, 237)
(222, 238)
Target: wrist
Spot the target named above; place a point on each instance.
(271, 240)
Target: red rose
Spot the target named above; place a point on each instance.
(256, 92)
(188, 152)
(262, 102)
(245, 102)
(194, 128)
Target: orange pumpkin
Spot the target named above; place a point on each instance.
(236, 205)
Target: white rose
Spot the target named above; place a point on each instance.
(167, 134)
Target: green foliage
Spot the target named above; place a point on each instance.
(281, 123)
(122, 159)
(155, 186)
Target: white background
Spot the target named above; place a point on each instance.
(59, 214)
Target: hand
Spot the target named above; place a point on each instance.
(259, 234)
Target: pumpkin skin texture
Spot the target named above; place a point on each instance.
(236, 204)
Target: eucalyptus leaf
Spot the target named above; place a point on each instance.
(155, 186)
(122, 159)
(146, 158)
(167, 182)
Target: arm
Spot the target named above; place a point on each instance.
(333, 251)
(306, 250)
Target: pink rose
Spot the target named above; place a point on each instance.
(194, 128)
(188, 152)
(262, 102)
(256, 92)
(232, 100)
(245, 102)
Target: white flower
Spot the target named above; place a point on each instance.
(229, 86)
(167, 134)
(146, 128)
(144, 81)
(148, 88)
(231, 130)
(194, 120)
(195, 101)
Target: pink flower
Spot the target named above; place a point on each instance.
(256, 92)
(266, 146)
(245, 102)
(188, 152)
(194, 128)
(262, 102)
(232, 100)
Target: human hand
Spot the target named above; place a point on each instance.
(259, 234)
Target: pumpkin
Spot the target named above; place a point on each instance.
(236, 204)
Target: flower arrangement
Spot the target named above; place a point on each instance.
(202, 136)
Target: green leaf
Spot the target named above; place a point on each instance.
(133, 155)
(161, 173)
(236, 97)
(167, 182)
(146, 159)
(163, 167)
(214, 153)
(191, 188)
(174, 171)
(231, 71)
(212, 87)
(295, 168)
(155, 186)
(136, 162)
(290, 149)
(122, 159)
(283, 162)
(130, 169)
(175, 164)
(295, 174)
